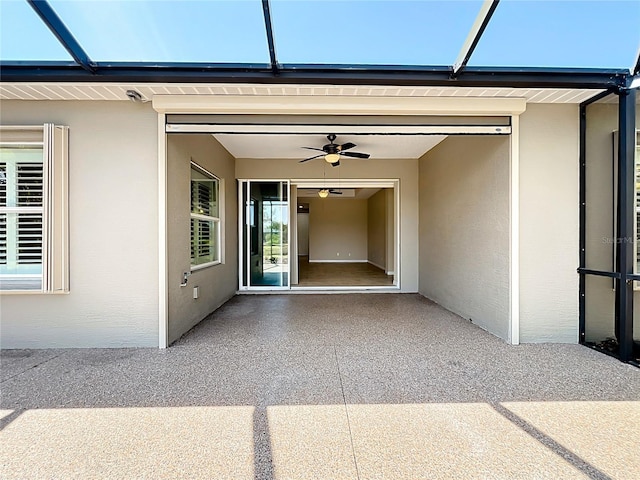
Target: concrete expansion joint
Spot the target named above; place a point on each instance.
(346, 410)
(32, 367)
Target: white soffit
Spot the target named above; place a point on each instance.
(336, 105)
(290, 146)
(116, 91)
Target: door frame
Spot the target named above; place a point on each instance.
(393, 183)
(242, 248)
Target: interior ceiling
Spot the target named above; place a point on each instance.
(289, 146)
(354, 193)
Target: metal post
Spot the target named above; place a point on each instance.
(625, 219)
(583, 221)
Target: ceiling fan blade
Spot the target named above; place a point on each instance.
(337, 164)
(313, 148)
(310, 158)
(346, 146)
(355, 154)
(335, 192)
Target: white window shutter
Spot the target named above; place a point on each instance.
(56, 228)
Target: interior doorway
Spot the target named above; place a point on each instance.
(293, 238)
(346, 237)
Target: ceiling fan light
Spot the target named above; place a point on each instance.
(332, 157)
(324, 193)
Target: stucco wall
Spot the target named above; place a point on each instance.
(113, 228)
(404, 170)
(464, 229)
(377, 229)
(337, 230)
(549, 223)
(216, 283)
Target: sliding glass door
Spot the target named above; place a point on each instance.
(265, 234)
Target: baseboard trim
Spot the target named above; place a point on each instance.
(338, 261)
(376, 265)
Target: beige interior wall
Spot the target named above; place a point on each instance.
(602, 120)
(406, 171)
(391, 242)
(377, 229)
(217, 283)
(293, 227)
(337, 230)
(464, 229)
(549, 223)
(113, 231)
(303, 233)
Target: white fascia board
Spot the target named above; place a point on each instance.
(337, 105)
(342, 129)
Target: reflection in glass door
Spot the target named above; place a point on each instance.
(265, 236)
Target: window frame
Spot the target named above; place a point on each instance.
(53, 139)
(217, 221)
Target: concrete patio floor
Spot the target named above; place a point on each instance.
(327, 387)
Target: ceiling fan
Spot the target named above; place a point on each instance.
(333, 151)
(324, 192)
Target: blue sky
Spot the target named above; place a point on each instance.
(548, 33)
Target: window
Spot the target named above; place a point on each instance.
(33, 253)
(205, 218)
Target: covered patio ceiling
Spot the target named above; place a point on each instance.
(471, 43)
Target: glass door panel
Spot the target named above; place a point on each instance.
(266, 234)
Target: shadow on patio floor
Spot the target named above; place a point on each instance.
(315, 386)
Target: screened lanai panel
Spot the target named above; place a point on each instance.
(600, 180)
(397, 32)
(24, 37)
(168, 30)
(599, 33)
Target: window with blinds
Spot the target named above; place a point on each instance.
(21, 221)
(33, 209)
(205, 218)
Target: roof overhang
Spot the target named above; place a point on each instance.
(16, 72)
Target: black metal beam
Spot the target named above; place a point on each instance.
(62, 33)
(266, 10)
(316, 74)
(478, 28)
(598, 273)
(625, 221)
(636, 69)
(596, 98)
